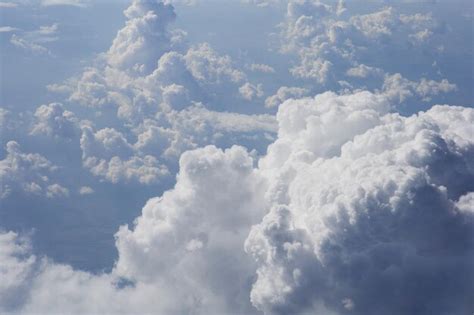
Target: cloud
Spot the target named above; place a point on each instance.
(162, 97)
(8, 5)
(249, 91)
(262, 3)
(7, 29)
(27, 173)
(86, 190)
(363, 211)
(34, 41)
(259, 67)
(210, 68)
(352, 209)
(16, 269)
(397, 87)
(168, 262)
(283, 94)
(363, 71)
(54, 121)
(26, 45)
(217, 187)
(330, 41)
(75, 3)
(106, 153)
(144, 38)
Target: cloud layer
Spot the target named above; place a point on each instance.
(361, 217)
(337, 204)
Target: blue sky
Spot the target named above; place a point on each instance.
(236, 157)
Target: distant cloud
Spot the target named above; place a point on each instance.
(258, 67)
(7, 29)
(249, 91)
(283, 94)
(86, 190)
(27, 173)
(35, 41)
(76, 3)
(8, 5)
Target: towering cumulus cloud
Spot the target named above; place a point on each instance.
(145, 37)
(365, 217)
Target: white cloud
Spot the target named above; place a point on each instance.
(16, 269)
(144, 38)
(262, 3)
(353, 208)
(163, 97)
(398, 88)
(259, 67)
(54, 121)
(7, 29)
(466, 203)
(26, 45)
(76, 3)
(8, 5)
(35, 41)
(376, 24)
(364, 206)
(283, 94)
(208, 67)
(218, 187)
(174, 264)
(356, 203)
(56, 190)
(86, 190)
(27, 173)
(330, 41)
(317, 69)
(249, 91)
(363, 71)
(106, 153)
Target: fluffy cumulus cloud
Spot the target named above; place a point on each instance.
(144, 38)
(192, 236)
(163, 97)
(183, 251)
(283, 93)
(331, 42)
(249, 91)
(357, 215)
(54, 121)
(335, 205)
(106, 153)
(27, 173)
(365, 217)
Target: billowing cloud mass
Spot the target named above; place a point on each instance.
(365, 217)
(162, 93)
(358, 216)
(337, 204)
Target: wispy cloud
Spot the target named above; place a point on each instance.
(7, 29)
(34, 40)
(76, 3)
(8, 5)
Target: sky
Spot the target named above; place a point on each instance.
(236, 157)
